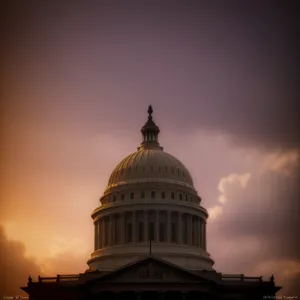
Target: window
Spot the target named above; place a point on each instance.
(132, 196)
(180, 196)
(141, 232)
(172, 195)
(152, 194)
(173, 233)
(114, 199)
(129, 233)
(122, 197)
(142, 195)
(186, 197)
(162, 232)
(151, 231)
(163, 195)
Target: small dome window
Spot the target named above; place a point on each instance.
(142, 195)
(180, 196)
(172, 195)
(131, 195)
(163, 195)
(186, 197)
(153, 194)
(122, 197)
(178, 172)
(114, 199)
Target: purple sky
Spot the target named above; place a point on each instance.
(222, 80)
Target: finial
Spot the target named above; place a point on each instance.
(150, 111)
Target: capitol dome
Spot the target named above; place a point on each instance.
(150, 165)
(150, 196)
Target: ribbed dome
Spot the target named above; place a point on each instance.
(152, 165)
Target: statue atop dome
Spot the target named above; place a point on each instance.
(150, 132)
(150, 111)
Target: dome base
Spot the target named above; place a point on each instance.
(190, 258)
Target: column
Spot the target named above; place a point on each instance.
(134, 226)
(168, 226)
(96, 236)
(180, 240)
(110, 231)
(204, 235)
(198, 233)
(101, 232)
(156, 238)
(122, 229)
(190, 229)
(146, 230)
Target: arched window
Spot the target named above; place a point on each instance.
(163, 195)
(180, 196)
(142, 195)
(172, 195)
(114, 199)
(186, 197)
(152, 194)
(122, 197)
(132, 195)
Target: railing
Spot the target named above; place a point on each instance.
(241, 277)
(57, 278)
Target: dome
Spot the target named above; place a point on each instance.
(150, 165)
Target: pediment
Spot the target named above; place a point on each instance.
(151, 270)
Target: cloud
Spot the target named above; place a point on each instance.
(232, 179)
(215, 211)
(257, 226)
(15, 266)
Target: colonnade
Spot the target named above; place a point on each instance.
(140, 226)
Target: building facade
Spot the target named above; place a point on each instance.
(150, 238)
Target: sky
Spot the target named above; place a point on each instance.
(77, 80)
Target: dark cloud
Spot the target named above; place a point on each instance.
(15, 266)
(267, 208)
(230, 67)
(257, 228)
